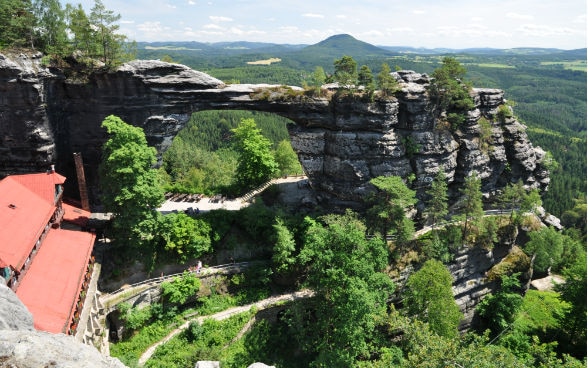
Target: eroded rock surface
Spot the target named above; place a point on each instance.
(342, 142)
(23, 347)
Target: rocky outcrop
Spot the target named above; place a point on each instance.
(13, 314)
(21, 346)
(342, 142)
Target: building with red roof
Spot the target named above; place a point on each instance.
(46, 265)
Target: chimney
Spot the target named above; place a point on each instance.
(81, 181)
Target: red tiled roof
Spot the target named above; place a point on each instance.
(75, 215)
(42, 184)
(23, 216)
(51, 286)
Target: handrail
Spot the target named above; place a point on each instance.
(167, 277)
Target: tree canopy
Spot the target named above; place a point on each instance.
(345, 271)
(130, 187)
(46, 26)
(256, 163)
(429, 298)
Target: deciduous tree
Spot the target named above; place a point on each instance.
(428, 297)
(130, 188)
(345, 271)
(256, 161)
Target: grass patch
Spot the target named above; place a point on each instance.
(129, 351)
(494, 65)
(578, 65)
(210, 342)
(264, 62)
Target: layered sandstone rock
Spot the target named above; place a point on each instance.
(342, 142)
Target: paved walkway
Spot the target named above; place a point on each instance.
(263, 304)
(207, 204)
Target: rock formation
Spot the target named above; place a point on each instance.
(342, 142)
(21, 346)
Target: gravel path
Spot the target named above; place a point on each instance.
(263, 304)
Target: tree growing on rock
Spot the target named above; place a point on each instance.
(386, 82)
(471, 205)
(389, 204)
(450, 91)
(346, 71)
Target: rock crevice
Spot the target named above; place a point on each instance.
(342, 142)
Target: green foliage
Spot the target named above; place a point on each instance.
(573, 320)
(504, 113)
(471, 205)
(386, 82)
(184, 236)
(213, 339)
(485, 134)
(50, 32)
(549, 162)
(423, 348)
(389, 204)
(318, 78)
(256, 162)
(284, 249)
(16, 24)
(180, 289)
(410, 146)
(129, 351)
(287, 159)
(437, 209)
(344, 269)
(547, 245)
(366, 78)
(450, 91)
(576, 217)
(346, 71)
(129, 184)
(428, 297)
(499, 309)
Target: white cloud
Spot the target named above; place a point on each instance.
(537, 30)
(313, 15)
(519, 16)
(212, 26)
(418, 12)
(127, 21)
(341, 16)
(190, 2)
(170, 6)
(401, 30)
(580, 19)
(216, 18)
(151, 27)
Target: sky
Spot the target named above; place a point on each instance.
(417, 23)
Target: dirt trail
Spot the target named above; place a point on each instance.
(262, 304)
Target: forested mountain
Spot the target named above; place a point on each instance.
(547, 86)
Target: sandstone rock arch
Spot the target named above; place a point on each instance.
(341, 143)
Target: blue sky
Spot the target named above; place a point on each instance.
(418, 23)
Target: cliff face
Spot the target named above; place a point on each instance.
(21, 346)
(342, 142)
